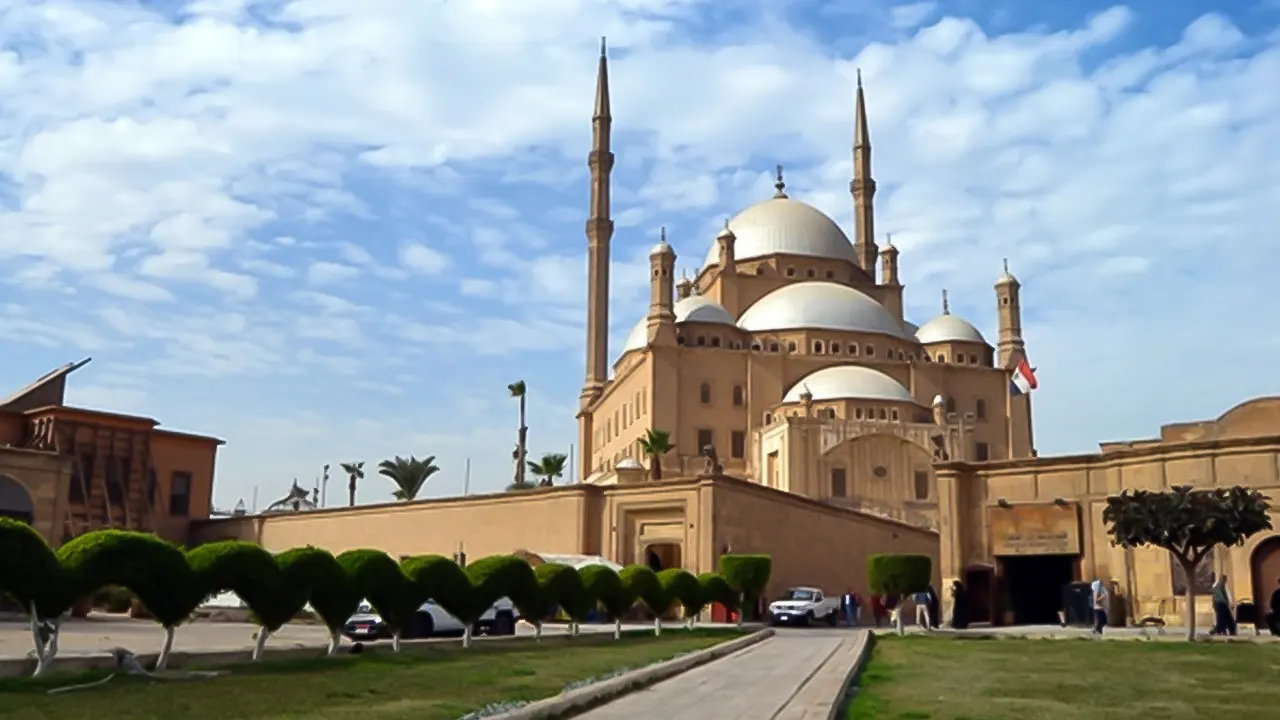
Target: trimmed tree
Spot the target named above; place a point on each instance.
(642, 583)
(896, 576)
(748, 575)
(715, 589)
(253, 574)
(155, 571)
(380, 580)
(330, 590)
(441, 579)
(31, 576)
(560, 587)
(493, 578)
(682, 587)
(1188, 523)
(606, 590)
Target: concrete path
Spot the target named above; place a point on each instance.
(759, 683)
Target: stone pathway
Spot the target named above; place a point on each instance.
(762, 682)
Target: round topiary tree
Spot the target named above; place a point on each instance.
(330, 590)
(715, 589)
(748, 575)
(31, 575)
(438, 578)
(605, 589)
(561, 587)
(154, 570)
(681, 586)
(642, 583)
(893, 577)
(493, 578)
(254, 575)
(380, 580)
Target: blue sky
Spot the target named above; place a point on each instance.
(329, 231)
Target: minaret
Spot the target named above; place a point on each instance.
(599, 234)
(889, 262)
(661, 320)
(863, 188)
(1009, 310)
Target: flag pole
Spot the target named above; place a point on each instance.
(572, 477)
(466, 479)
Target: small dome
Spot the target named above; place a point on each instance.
(785, 226)
(629, 463)
(938, 401)
(819, 304)
(848, 382)
(695, 308)
(910, 327)
(662, 248)
(948, 328)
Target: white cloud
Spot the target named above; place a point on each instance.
(222, 165)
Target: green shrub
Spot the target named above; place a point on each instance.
(603, 586)
(380, 580)
(157, 572)
(494, 578)
(30, 572)
(253, 575)
(682, 587)
(715, 589)
(642, 583)
(330, 590)
(438, 578)
(561, 587)
(748, 575)
(894, 576)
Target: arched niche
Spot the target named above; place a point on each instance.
(15, 501)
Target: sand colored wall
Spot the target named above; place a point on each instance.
(180, 453)
(44, 476)
(1240, 448)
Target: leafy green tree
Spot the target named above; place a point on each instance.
(273, 593)
(355, 472)
(330, 590)
(642, 583)
(31, 575)
(655, 444)
(748, 575)
(550, 467)
(381, 581)
(606, 589)
(409, 474)
(896, 576)
(1188, 523)
(520, 391)
(683, 587)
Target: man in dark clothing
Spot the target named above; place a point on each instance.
(846, 606)
(1224, 620)
(1273, 617)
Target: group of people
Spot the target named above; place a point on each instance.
(1226, 620)
(927, 605)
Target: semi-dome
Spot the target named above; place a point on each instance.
(629, 463)
(948, 328)
(695, 308)
(848, 382)
(819, 304)
(785, 226)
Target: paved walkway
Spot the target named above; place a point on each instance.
(755, 684)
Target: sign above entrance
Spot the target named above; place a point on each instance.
(1035, 529)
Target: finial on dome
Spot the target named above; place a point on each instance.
(662, 234)
(806, 397)
(726, 233)
(946, 304)
(1006, 265)
(780, 185)
(859, 72)
(603, 47)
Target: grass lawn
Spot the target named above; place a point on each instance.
(923, 678)
(434, 683)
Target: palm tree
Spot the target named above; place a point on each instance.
(409, 474)
(655, 444)
(519, 390)
(354, 471)
(550, 467)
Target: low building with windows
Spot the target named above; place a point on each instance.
(68, 470)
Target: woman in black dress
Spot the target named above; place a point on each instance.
(959, 606)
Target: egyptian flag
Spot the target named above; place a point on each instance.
(1024, 378)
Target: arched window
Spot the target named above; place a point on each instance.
(791, 347)
(680, 340)
(831, 274)
(738, 396)
(817, 347)
(980, 409)
(715, 342)
(704, 393)
(884, 415)
(755, 346)
(773, 347)
(791, 272)
(942, 357)
(701, 341)
(951, 405)
(768, 419)
(759, 269)
(973, 359)
(812, 272)
(857, 413)
(869, 351)
(831, 413)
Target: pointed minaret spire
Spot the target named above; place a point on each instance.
(946, 304)
(780, 186)
(602, 84)
(863, 187)
(599, 234)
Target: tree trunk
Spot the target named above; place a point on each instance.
(522, 437)
(162, 661)
(1189, 572)
(657, 625)
(335, 638)
(617, 628)
(466, 637)
(351, 491)
(898, 621)
(655, 467)
(43, 656)
(573, 628)
(537, 631)
(742, 608)
(260, 643)
(395, 641)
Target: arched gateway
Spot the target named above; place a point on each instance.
(15, 501)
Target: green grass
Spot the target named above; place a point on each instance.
(435, 683)
(922, 678)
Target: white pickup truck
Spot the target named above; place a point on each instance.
(804, 606)
(431, 619)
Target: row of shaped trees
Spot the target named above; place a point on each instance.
(171, 583)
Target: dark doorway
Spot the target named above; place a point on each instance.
(1035, 584)
(15, 503)
(978, 581)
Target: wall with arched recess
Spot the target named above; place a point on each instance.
(15, 501)
(42, 477)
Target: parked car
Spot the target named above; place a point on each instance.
(804, 606)
(431, 620)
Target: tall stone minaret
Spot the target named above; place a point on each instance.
(599, 235)
(863, 188)
(1010, 347)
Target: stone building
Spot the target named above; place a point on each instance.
(790, 355)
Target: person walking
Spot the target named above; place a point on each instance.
(959, 606)
(921, 599)
(1273, 616)
(1224, 620)
(846, 607)
(1100, 600)
(857, 608)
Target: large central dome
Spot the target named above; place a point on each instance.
(820, 304)
(787, 227)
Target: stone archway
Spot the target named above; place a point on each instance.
(1264, 567)
(663, 556)
(15, 501)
